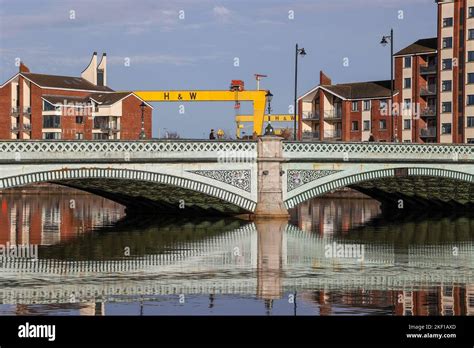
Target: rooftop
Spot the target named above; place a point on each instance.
(429, 45)
(68, 82)
(361, 90)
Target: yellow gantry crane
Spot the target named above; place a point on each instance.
(257, 98)
(236, 94)
(241, 119)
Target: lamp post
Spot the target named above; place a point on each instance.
(384, 42)
(269, 97)
(142, 132)
(302, 53)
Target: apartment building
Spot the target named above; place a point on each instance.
(416, 77)
(346, 111)
(40, 106)
(456, 54)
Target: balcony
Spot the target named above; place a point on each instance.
(429, 132)
(310, 136)
(26, 127)
(110, 129)
(15, 111)
(429, 91)
(332, 134)
(332, 115)
(27, 110)
(15, 128)
(428, 69)
(428, 112)
(311, 116)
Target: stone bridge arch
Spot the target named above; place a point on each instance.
(142, 188)
(387, 185)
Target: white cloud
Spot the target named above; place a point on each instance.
(222, 13)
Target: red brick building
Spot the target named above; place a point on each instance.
(416, 71)
(346, 111)
(39, 106)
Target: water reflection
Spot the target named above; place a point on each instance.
(420, 266)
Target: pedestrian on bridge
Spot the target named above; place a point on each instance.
(212, 136)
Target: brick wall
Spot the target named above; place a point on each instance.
(131, 119)
(5, 108)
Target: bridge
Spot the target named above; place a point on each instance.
(264, 177)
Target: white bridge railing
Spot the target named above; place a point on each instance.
(402, 152)
(121, 150)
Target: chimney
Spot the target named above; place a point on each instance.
(324, 79)
(23, 68)
(90, 73)
(102, 71)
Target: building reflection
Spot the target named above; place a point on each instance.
(454, 300)
(334, 215)
(50, 219)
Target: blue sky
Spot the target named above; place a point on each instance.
(197, 52)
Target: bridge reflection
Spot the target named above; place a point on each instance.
(414, 275)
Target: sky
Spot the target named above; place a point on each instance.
(193, 44)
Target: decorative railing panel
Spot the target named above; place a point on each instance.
(368, 152)
(122, 150)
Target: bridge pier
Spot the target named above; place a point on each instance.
(270, 203)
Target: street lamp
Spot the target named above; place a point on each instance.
(269, 97)
(384, 42)
(142, 132)
(302, 53)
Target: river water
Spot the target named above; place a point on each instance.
(335, 257)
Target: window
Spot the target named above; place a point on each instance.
(407, 104)
(446, 107)
(470, 34)
(407, 62)
(383, 124)
(79, 119)
(100, 77)
(470, 56)
(383, 104)
(446, 128)
(367, 105)
(354, 126)
(366, 125)
(407, 83)
(470, 140)
(470, 78)
(448, 64)
(355, 106)
(448, 22)
(48, 106)
(101, 122)
(51, 121)
(79, 136)
(470, 99)
(100, 136)
(448, 42)
(446, 85)
(470, 12)
(470, 122)
(52, 136)
(406, 124)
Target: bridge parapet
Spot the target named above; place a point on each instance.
(123, 151)
(374, 152)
